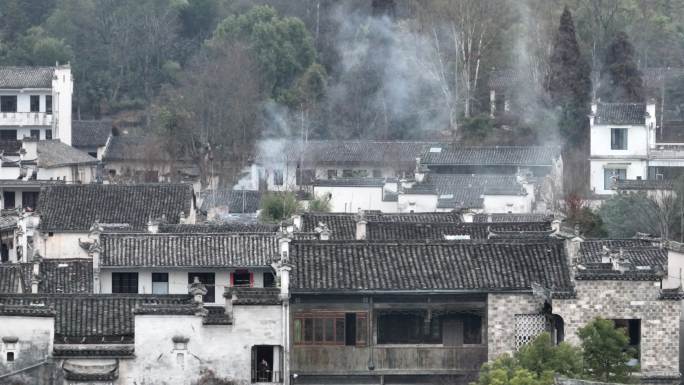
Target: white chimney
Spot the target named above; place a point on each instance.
(152, 227)
(361, 223)
(651, 122)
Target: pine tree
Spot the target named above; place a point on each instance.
(569, 83)
(569, 87)
(620, 77)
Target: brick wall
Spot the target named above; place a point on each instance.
(501, 311)
(628, 300)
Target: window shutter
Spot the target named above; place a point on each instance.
(251, 279)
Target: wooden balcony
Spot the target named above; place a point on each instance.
(400, 359)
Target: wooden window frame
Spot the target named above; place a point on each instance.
(323, 318)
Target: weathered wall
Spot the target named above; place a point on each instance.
(353, 199)
(225, 349)
(35, 335)
(501, 311)
(628, 300)
(508, 203)
(61, 245)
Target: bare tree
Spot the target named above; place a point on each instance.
(210, 117)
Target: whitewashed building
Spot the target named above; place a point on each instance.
(36, 102)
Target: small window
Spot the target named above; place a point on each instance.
(269, 280)
(29, 199)
(347, 173)
(35, 103)
(242, 278)
(377, 173)
(612, 174)
(8, 134)
(125, 283)
(48, 104)
(278, 177)
(8, 103)
(160, 283)
(48, 134)
(10, 356)
(618, 138)
(35, 134)
(8, 199)
(332, 174)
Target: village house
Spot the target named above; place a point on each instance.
(91, 135)
(36, 102)
(138, 302)
(223, 205)
(67, 213)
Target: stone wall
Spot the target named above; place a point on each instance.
(628, 300)
(501, 311)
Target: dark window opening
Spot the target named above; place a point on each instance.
(160, 283)
(35, 134)
(209, 280)
(406, 329)
(360, 173)
(347, 173)
(125, 283)
(93, 154)
(10, 356)
(349, 329)
(332, 174)
(4, 253)
(264, 360)
(29, 200)
(305, 177)
(618, 138)
(48, 104)
(8, 199)
(377, 173)
(35, 103)
(8, 103)
(269, 280)
(8, 134)
(472, 329)
(278, 179)
(48, 134)
(632, 328)
(242, 278)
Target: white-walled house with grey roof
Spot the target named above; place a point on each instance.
(36, 102)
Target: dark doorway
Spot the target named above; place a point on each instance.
(350, 329)
(262, 363)
(208, 279)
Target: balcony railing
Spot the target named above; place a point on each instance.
(25, 119)
(407, 359)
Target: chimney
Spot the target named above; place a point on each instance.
(284, 267)
(297, 221)
(181, 218)
(230, 296)
(29, 149)
(592, 116)
(421, 171)
(35, 277)
(94, 252)
(361, 223)
(651, 122)
(152, 226)
(197, 290)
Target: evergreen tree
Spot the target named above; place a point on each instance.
(569, 87)
(620, 77)
(606, 351)
(569, 83)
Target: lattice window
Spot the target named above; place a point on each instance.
(528, 327)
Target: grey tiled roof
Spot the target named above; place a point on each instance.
(398, 154)
(459, 155)
(237, 201)
(472, 266)
(90, 317)
(438, 231)
(131, 148)
(257, 296)
(68, 276)
(77, 207)
(13, 279)
(343, 225)
(26, 77)
(643, 184)
(620, 113)
(90, 133)
(54, 153)
(510, 217)
(236, 227)
(466, 190)
(591, 250)
(189, 250)
(350, 182)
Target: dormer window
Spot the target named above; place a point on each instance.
(618, 138)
